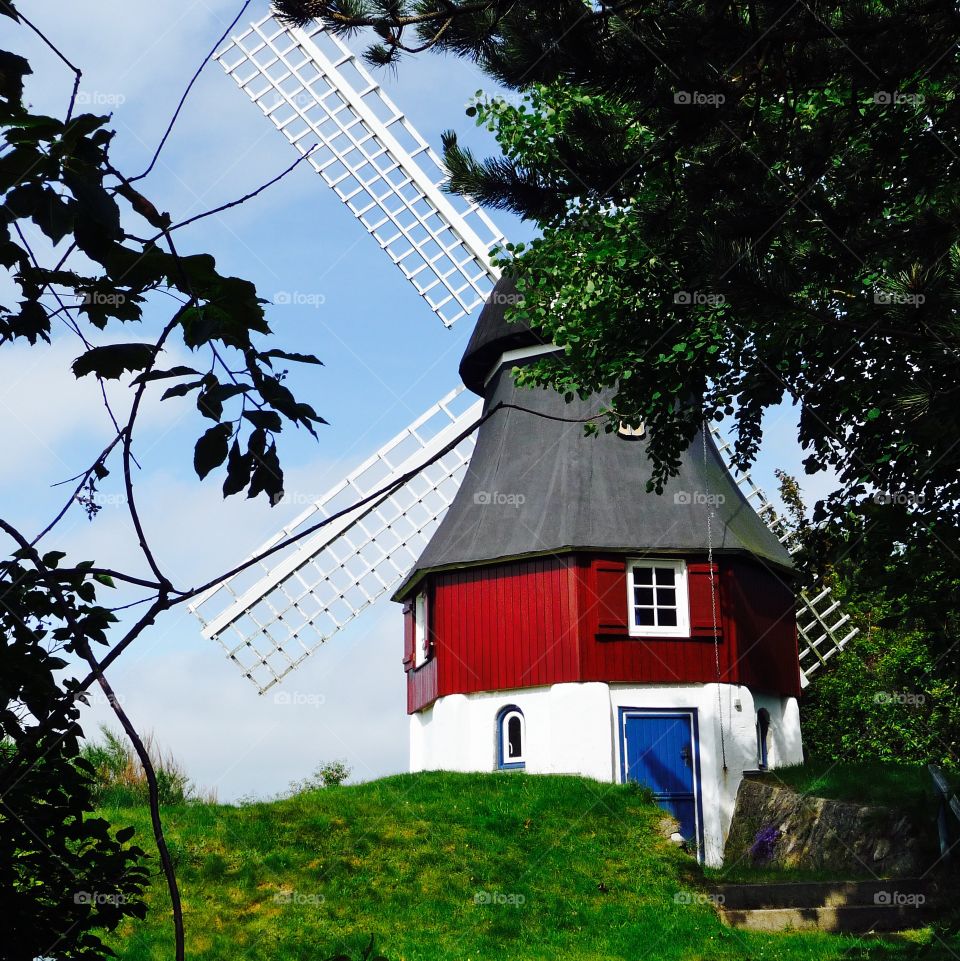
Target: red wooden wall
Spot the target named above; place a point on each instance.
(548, 620)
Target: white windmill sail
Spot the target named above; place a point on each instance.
(316, 92)
(275, 614)
(823, 628)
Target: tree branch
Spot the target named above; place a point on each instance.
(186, 93)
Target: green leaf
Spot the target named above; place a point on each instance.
(181, 390)
(211, 450)
(12, 71)
(238, 470)
(164, 374)
(33, 322)
(286, 355)
(110, 362)
(265, 419)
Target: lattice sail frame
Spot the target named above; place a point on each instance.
(273, 616)
(823, 631)
(315, 91)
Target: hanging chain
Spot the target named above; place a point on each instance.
(713, 600)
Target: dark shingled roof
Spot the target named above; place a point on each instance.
(537, 485)
(493, 336)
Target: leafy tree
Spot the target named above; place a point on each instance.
(71, 241)
(893, 694)
(740, 204)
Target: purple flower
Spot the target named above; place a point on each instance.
(764, 844)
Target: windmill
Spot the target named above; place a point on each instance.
(668, 622)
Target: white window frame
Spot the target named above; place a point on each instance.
(504, 761)
(682, 627)
(421, 637)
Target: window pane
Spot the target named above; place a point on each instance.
(667, 617)
(643, 595)
(667, 596)
(514, 739)
(665, 575)
(643, 575)
(644, 617)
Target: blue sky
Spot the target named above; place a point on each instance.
(386, 359)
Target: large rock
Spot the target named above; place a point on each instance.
(820, 834)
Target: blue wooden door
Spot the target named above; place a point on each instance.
(659, 752)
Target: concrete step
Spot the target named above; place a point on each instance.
(848, 919)
(905, 892)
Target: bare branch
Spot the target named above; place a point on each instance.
(78, 74)
(239, 201)
(186, 93)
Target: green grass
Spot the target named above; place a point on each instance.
(442, 866)
(906, 787)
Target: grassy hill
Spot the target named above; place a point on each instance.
(449, 866)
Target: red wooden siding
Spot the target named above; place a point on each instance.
(620, 658)
(703, 584)
(549, 620)
(763, 609)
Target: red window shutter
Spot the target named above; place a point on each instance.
(701, 596)
(611, 597)
(408, 635)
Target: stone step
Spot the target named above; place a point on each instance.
(847, 919)
(903, 892)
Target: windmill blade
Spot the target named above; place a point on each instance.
(823, 628)
(316, 92)
(274, 615)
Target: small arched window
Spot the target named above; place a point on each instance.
(511, 739)
(763, 726)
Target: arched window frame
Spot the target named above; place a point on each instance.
(763, 731)
(421, 630)
(504, 761)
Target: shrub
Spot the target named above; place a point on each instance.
(120, 780)
(887, 697)
(328, 774)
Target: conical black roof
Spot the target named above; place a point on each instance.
(493, 336)
(536, 484)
